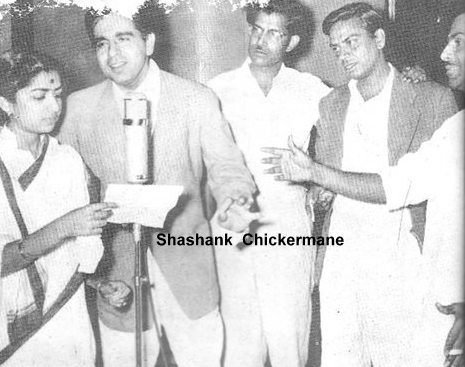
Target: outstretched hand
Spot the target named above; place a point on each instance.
(235, 215)
(291, 164)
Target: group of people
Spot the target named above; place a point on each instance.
(381, 155)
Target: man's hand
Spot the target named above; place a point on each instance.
(116, 293)
(453, 349)
(289, 164)
(234, 215)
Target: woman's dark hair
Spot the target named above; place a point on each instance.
(17, 71)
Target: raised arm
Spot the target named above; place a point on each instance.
(294, 165)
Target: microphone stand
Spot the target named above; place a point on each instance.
(139, 281)
(135, 117)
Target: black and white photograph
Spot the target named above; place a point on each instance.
(232, 183)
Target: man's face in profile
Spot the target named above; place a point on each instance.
(454, 54)
(122, 52)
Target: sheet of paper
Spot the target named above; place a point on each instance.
(143, 204)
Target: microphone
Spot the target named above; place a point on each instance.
(136, 125)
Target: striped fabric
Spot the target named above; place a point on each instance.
(27, 310)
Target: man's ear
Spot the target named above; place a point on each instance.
(149, 44)
(293, 42)
(380, 39)
(6, 106)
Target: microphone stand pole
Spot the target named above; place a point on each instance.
(138, 280)
(136, 125)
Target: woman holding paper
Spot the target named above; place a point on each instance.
(49, 235)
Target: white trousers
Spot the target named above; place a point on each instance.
(265, 304)
(194, 343)
(369, 290)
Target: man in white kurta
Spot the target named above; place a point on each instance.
(266, 291)
(367, 126)
(364, 280)
(435, 173)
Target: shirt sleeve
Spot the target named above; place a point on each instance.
(412, 180)
(316, 90)
(227, 173)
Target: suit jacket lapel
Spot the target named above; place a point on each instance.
(403, 118)
(169, 132)
(338, 111)
(110, 131)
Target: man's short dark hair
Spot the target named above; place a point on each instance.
(292, 10)
(372, 19)
(148, 19)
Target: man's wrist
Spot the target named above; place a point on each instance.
(315, 174)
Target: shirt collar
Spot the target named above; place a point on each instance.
(150, 86)
(387, 87)
(247, 73)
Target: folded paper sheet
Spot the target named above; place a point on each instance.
(143, 204)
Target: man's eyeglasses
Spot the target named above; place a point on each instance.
(273, 34)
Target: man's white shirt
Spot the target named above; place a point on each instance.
(290, 108)
(150, 88)
(260, 285)
(435, 173)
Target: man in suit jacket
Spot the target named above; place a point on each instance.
(434, 173)
(368, 286)
(368, 125)
(189, 134)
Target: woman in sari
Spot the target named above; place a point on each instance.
(49, 234)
